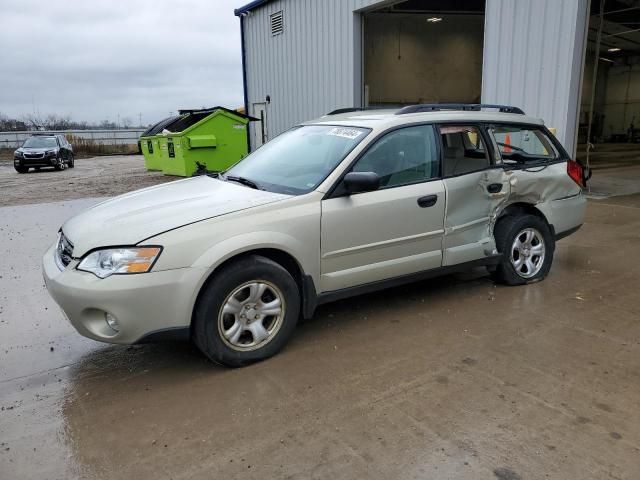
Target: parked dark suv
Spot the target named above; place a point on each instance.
(43, 151)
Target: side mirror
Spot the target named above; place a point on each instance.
(359, 182)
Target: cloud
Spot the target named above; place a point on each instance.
(98, 59)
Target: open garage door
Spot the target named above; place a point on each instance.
(423, 51)
(609, 118)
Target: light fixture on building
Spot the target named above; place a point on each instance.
(614, 49)
(606, 60)
(434, 19)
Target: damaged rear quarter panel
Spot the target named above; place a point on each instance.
(549, 189)
(472, 211)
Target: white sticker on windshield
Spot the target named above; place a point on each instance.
(350, 133)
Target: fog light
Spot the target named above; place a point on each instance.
(112, 322)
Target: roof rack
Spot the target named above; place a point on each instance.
(467, 107)
(355, 109)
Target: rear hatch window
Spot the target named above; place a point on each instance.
(524, 145)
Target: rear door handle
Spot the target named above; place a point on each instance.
(494, 188)
(428, 201)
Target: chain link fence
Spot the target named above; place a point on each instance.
(85, 142)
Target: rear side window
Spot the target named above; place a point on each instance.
(404, 156)
(523, 144)
(464, 150)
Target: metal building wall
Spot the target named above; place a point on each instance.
(533, 58)
(311, 68)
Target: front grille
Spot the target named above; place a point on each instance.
(64, 251)
(34, 155)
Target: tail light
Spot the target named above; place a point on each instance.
(574, 169)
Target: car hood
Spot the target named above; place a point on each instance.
(35, 150)
(128, 219)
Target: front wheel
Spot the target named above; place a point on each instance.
(527, 247)
(60, 165)
(21, 169)
(247, 312)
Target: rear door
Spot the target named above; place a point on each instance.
(476, 186)
(393, 231)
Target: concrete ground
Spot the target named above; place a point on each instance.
(453, 378)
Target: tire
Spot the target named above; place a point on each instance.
(21, 169)
(518, 239)
(60, 165)
(226, 304)
(72, 162)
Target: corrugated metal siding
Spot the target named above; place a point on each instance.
(533, 58)
(309, 69)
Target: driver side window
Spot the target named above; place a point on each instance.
(404, 156)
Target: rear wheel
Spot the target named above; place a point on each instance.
(21, 169)
(247, 313)
(72, 161)
(527, 247)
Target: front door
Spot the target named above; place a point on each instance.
(475, 188)
(259, 136)
(393, 231)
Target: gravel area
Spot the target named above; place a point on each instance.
(91, 177)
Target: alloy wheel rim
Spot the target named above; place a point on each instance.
(528, 252)
(251, 315)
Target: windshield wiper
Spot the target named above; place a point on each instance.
(506, 145)
(243, 181)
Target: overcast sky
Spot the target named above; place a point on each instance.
(97, 59)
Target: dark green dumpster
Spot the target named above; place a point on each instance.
(150, 146)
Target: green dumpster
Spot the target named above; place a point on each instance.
(150, 146)
(208, 140)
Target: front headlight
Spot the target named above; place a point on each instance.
(50, 152)
(110, 261)
(17, 154)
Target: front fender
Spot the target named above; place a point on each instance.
(246, 242)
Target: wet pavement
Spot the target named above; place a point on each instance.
(453, 378)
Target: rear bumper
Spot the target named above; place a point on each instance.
(566, 215)
(566, 233)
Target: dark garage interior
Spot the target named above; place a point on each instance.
(610, 105)
(423, 51)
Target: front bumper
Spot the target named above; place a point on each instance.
(35, 162)
(142, 303)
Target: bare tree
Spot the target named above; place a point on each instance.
(126, 122)
(33, 121)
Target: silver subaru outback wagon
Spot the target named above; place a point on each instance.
(352, 202)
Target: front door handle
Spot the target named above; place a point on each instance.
(494, 188)
(427, 201)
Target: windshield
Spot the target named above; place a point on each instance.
(40, 142)
(297, 161)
